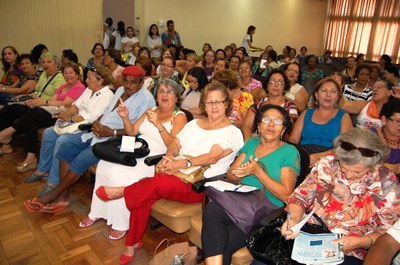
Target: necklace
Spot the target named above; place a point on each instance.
(390, 142)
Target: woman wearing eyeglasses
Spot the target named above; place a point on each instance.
(316, 128)
(167, 67)
(265, 162)
(211, 141)
(278, 85)
(390, 132)
(297, 92)
(352, 192)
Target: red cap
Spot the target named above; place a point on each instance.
(133, 71)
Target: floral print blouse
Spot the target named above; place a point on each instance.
(240, 105)
(370, 205)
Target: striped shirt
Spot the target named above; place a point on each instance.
(351, 95)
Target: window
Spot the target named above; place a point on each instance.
(357, 26)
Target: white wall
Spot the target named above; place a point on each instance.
(71, 24)
(279, 22)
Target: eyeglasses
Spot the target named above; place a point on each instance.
(292, 71)
(395, 121)
(363, 151)
(214, 103)
(167, 65)
(169, 91)
(274, 82)
(268, 120)
(379, 87)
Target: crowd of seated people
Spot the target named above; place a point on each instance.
(156, 91)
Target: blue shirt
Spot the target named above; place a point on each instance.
(137, 104)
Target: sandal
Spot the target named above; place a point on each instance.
(116, 234)
(35, 177)
(52, 208)
(87, 222)
(33, 206)
(46, 190)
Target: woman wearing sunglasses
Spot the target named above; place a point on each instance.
(352, 192)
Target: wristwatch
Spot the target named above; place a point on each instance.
(188, 162)
(72, 119)
(115, 133)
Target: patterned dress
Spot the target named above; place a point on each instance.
(351, 209)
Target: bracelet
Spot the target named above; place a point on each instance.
(162, 129)
(46, 103)
(72, 119)
(115, 133)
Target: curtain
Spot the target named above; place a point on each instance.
(370, 27)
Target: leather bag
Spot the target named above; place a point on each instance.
(245, 209)
(110, 151)
(267, 244)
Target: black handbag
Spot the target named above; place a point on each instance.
(110, 151)
(267, 244)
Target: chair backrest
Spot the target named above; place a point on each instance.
(189, 115)
(304, 163)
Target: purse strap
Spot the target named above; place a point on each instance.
(321, 222)
(48, 82)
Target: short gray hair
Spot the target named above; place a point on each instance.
(360, 138)
(170, 83)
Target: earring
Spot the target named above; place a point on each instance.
(336, 105)
(316, 103)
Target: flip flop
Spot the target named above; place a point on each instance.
(52, 208)
(29, 203)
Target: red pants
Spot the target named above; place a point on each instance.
(140, 196)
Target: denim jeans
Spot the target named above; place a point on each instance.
(51, 143)
(78, 155)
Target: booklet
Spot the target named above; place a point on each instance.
(317, 249)
(227, 186)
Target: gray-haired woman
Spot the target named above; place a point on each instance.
(352, 192)
(157, 126)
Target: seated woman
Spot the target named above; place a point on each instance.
(241, 100)
(349, 72)
(27, 80)
(167, 72)
(86, 108)
(311, 71)
(75, 153)
(197, 79)
(184, 66)
(234, 63)
(113, 61)
(359, 90)
(277, 176)
(145, 63)
(12, 72)
(261, 67)
(49, 81)
(98, 55)
(278, 85)
(369, 116)
(389, 132)
(208, 63)
(352, 192)
(41, 114)
(247, 83)
(211, 141)
(297, 92)
(220, 64)
(158, 127)
(316, 128)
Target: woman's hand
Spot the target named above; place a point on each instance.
(349, 243)
(251, 167)
(285, 229)
(152, 116)
(64, 115)
(169, 165)
(35, 102)
(122, 110)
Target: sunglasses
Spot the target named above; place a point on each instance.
(366, 152)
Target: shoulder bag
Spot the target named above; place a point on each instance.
(110, 151)
(267, 244)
